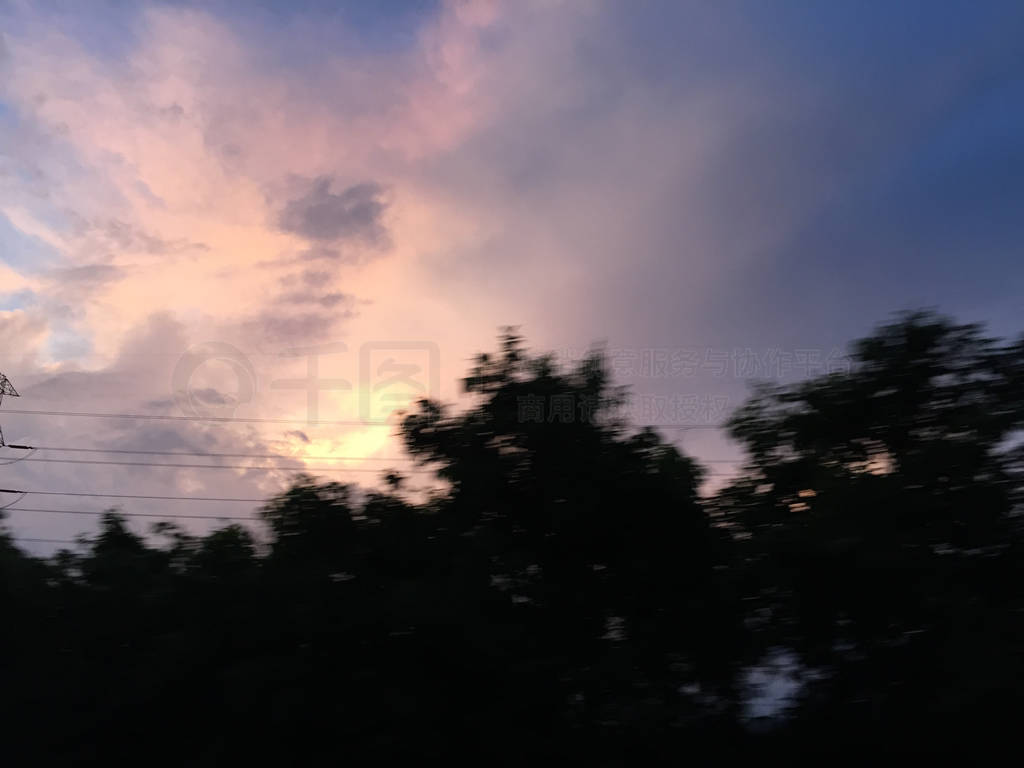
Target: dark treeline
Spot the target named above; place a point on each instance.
(569, 595)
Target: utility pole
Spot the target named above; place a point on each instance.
(6, 388)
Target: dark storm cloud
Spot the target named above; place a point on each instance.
(315, 277)
(312, 288)
(322, 254)
(325, 300)
(324, 216)
(304, 327)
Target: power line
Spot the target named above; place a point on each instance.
(133, 496)
(213, 454)
(254, 420)
(230, 419)
(132, 514)
(220, 466)
(413, 471)
(279, 456)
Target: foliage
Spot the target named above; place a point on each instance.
(569, 594)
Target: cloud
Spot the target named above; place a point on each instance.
(140, 380)
(301, 328)
(315, 277)
(156, 161)
(211, 396)
(87, 275)
(127, 237)
(24, 332)
(667, 175)
(320, 253)
(11, 281)
(325, 300)
(355, 213)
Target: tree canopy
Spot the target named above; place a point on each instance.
(568, 593)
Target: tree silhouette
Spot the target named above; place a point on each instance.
(877, 519)
(565, 592)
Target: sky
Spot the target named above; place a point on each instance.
(205, 206)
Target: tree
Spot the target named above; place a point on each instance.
(595, 534)
(565, 593)
(877, 517)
